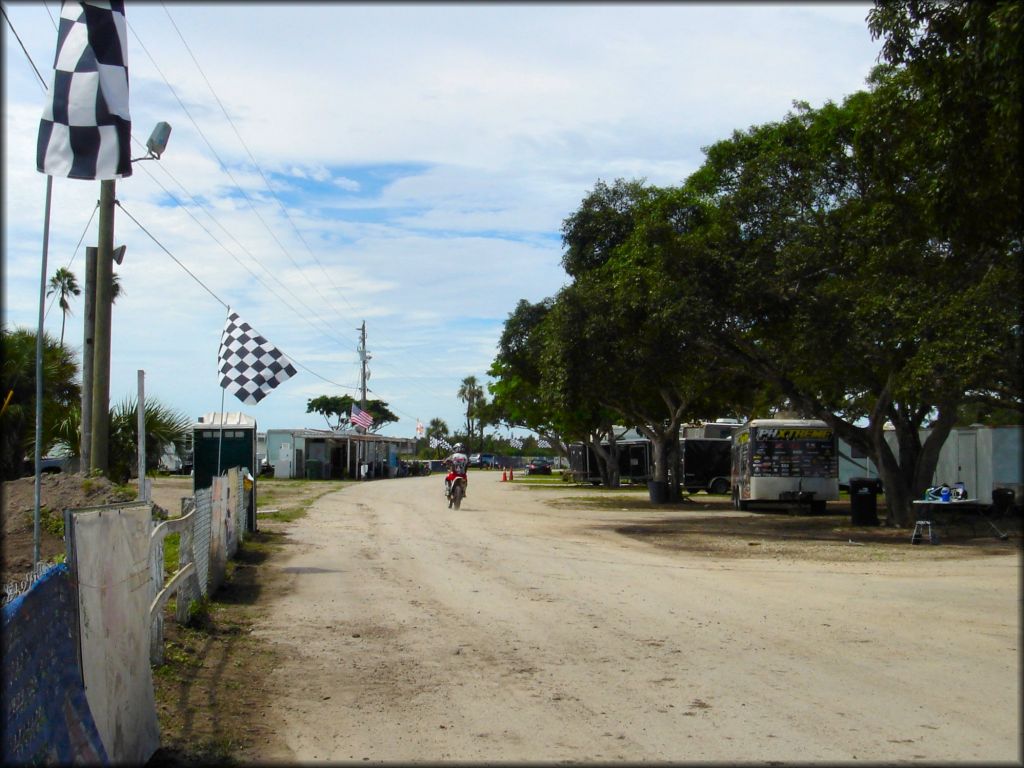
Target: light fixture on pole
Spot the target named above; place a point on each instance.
(99, 395)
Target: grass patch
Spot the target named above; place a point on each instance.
(285, 515)
(172, 547)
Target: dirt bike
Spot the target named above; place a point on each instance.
(456, 491)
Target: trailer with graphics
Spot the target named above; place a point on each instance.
(785, 461)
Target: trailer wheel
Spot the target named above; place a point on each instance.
(719, 485)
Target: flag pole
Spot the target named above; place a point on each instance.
(39, 376)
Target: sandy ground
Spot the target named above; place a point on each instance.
(519, 630)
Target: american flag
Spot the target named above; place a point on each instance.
(360, 417)
(250, 366)
(85, 131)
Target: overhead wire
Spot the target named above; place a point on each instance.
(45, 89)
(227, 250)
(209, 290)
(256, 164)
(234, 181)
(74, 254)
(28, 56)
(241, 141)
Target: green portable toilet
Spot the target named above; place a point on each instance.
(233, 445)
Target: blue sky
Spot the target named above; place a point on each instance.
(405, 165)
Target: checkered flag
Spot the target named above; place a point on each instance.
(542, 443)
(516, 443)
(250, 366)
(85, 131)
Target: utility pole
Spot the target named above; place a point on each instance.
(100, 453)
(364, 358)
(88, 350)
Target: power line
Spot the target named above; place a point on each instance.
(227, 250)
(75, 254)
(329, 331)
(176, 260)
(227, 171)
(210, 291)
(28, 56)
(238, 135)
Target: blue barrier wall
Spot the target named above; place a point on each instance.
(46, 715)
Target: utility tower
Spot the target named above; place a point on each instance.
(364, 358)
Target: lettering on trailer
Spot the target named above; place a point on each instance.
(794, 433)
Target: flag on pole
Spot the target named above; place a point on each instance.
(250, 366)
(85, 131)
(360, 417)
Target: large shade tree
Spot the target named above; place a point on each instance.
(845, 290)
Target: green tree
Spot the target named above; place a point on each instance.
(63, 283)
(340, 406)
(838, 281)
(437, 428)
(327, 406)
(61, 393)
(603, 221)
(646, 351)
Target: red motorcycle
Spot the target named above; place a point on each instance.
(456, 489)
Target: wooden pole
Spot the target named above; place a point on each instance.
(101, 358)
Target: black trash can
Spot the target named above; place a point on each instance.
(658, 491)
(1002, 500)
(864, 500)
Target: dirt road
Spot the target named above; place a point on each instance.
(518, 630)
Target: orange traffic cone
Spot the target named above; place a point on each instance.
(504, 477)
(510, 477)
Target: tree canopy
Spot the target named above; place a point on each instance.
(340, 407)
(861, 260)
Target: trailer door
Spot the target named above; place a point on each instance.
(967, 461)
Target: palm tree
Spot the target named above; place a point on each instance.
(116, 289)
(470, 393)
(64, 284)
(437, 428)
(18, 378)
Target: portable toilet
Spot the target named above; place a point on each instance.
(219, 445)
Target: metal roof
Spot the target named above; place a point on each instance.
(231, 419)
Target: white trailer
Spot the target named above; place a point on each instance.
(983, 458)
(789, 461)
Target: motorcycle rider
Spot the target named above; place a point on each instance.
(457, 464)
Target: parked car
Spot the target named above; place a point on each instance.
(483, 460)
(49, 465)
(539, 465)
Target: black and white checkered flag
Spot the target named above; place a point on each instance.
(250, 366)
(85, 131)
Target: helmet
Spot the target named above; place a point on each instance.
(458, 448)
